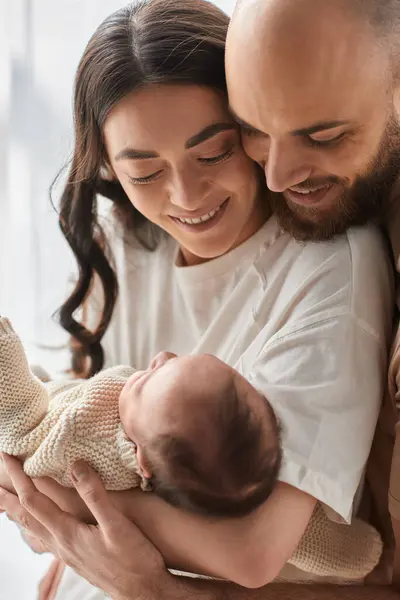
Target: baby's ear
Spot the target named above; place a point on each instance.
(143, 463)
(161, 358)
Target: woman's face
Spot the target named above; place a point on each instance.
(177, 154)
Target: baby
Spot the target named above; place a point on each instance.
(191, 429)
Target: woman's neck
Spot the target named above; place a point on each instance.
(258, 219)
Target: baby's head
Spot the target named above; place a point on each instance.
(206, 439)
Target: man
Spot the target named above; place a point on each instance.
(318, 114)
(315, 86)
(322, 120)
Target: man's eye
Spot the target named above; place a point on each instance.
(326, 143)
(145, 180)
(214, 160)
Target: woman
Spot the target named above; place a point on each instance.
(192, 261)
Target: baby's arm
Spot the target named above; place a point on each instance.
(51, 426)
(23, 398)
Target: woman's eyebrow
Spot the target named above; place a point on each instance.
(203, 135)
(132, 154)
(207, 133)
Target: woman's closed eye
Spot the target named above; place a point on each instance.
(147, 179)
(219, 158)
(210, 160)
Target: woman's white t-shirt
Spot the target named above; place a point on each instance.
(307, 324)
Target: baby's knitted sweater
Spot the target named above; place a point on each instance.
(50, 426)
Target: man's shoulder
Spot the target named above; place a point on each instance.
(360, 257)
(348, 275)
(364, 244)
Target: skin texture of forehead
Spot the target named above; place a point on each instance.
(302, 49)
(191, 386)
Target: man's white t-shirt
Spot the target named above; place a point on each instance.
(307, 324)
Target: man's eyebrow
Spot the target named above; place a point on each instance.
(322, 126)
(244, 124)
(132, 154)
(207, 133)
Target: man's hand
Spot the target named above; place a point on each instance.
(113, 555)
(116, 557)
(250, 551)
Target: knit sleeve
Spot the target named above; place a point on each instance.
(23, 398)
(83, 423)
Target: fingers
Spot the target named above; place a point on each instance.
(50, 582)
(15, 512)
(33, 542)
(94, 495)
(36, 504)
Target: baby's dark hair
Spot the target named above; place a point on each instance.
(228, 468)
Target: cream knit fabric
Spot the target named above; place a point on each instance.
(52, 425)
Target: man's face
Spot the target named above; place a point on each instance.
(315, 101)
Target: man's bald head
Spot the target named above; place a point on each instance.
(382, 16)
(293, 65)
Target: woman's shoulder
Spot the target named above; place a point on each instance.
(134, 258)
(133, 249)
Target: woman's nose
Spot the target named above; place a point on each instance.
(187, 190)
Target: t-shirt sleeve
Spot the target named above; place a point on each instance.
(324, 381)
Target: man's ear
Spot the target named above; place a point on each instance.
(143, 463)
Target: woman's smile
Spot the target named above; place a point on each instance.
(203, 223)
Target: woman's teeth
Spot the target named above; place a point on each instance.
(201, 219)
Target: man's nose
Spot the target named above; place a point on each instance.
(285, 167)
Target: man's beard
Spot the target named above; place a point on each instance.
(366, 201)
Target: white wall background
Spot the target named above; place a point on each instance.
(41, 42)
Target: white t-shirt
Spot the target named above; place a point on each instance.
(307, 324)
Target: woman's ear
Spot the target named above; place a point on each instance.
(107, 173)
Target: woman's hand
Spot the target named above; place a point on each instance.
(113, 555)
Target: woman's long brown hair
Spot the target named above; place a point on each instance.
(148, 42)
